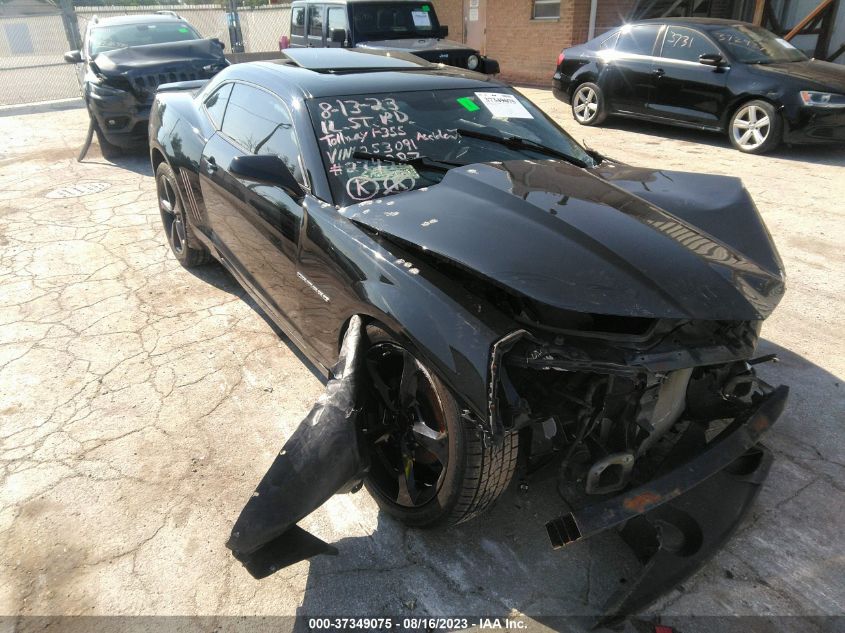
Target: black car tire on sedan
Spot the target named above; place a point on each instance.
(588, 106)
(756, 127)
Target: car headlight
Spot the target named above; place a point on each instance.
(472, 62)
(106, 91)
(822, 99)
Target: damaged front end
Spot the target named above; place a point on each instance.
(120, 85)
(655, 426)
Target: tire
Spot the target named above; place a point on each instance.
(588, 104)
(756, 127)
(108, 150)
(474, 475)
(177, 226)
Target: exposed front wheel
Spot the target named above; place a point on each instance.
(755, 127)
(177, 229)
(588, 105)
(428, 464)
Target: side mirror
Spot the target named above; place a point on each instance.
(491, 67)
(73, 57)
(267, 170)
(219, 42)
(338, 36)
(444, 32)
(711, 59)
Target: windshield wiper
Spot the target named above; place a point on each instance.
(423, 162)
(521, 143)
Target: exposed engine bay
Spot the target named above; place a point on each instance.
(612, 406)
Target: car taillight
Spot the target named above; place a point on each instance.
(560, 58)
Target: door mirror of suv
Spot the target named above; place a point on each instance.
(266, 169)
(711, 59)
(218, 41)
(444, 32)
(338, 36)
(73, 57)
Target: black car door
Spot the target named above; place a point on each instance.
(626, 79)
(335, 20)
(298, 37)
(685, 89)
(315, 26)
(255, 226)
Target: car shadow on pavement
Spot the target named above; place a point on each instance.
(216, 275)
(817, 154)
(502, 562)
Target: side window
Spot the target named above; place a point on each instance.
(637, 40)
(685, 44)
(335, 19)
(297, 21)
(610, 42)
(315, 20)
(261, 124)
(216, 104)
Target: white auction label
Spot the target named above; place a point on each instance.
(503, 105)
(421, 18)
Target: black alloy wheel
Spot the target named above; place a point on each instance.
(408, 438)
(176, 225)
(429, 461)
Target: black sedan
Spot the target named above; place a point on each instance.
(491, 289)
(710, 74)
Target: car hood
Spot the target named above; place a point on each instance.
(818, 74)
(159, 57)
(416, 45)
(611, 240)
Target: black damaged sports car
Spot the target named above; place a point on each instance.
(496, 297)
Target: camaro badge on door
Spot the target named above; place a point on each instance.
(311, 285)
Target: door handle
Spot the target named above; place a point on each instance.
(659, 72)
(211, 165)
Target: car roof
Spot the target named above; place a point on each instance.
(138, 18)
(327, 72)
(704, 23)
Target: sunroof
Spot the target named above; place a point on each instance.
(344, 60)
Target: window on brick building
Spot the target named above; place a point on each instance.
(546, 9)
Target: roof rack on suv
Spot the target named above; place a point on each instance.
(168, 12)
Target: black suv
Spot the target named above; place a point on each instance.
(406, 26)
(122, 62)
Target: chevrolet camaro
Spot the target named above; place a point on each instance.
(493, 298)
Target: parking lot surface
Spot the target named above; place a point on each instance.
(141, 403)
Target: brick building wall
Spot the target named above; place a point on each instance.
(527, 49)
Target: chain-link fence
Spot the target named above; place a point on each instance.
(31, 63)
(32, 44)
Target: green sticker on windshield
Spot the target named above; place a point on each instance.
(468, 103)
(425, 8)
(183, 30)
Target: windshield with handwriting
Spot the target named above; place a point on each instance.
(376, 145)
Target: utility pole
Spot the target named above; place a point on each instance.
(74, 39)
(236, 38)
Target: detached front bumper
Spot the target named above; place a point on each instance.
(677, 521)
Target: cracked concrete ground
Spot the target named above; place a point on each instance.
(140, 404)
